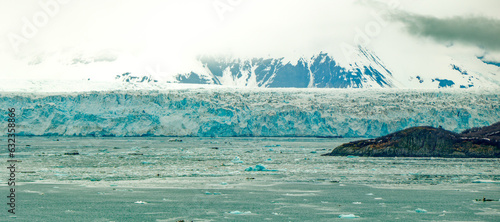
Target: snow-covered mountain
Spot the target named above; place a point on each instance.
(364, 70)
(319, 71)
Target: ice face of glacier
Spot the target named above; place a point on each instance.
(237, 112)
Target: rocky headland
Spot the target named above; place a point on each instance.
(425, 141)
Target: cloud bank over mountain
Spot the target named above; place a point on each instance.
(55, 39)
(482, 32)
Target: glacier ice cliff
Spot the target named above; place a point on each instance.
(237, 112)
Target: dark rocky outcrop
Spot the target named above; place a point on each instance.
(428, 142)
(489, 132)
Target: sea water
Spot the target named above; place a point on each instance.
(207, 179)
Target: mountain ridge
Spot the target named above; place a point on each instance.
(319, 71)
(364, 69)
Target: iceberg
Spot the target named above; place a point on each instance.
(258, 167)
(485, 181)
(237, 160)
(348, 216)
(418, 210)
(239, 212)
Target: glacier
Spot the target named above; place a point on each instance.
(231, 112)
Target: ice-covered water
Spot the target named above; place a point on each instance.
(206, 179)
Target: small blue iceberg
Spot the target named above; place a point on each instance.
(258, 167)
(418, 210)
(237, 160)
(348, 216)
(239, 212)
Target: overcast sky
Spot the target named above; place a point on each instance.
(45, 39)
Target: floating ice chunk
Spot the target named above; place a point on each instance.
(418, 210)
(237, 160)
(369, 194)
(140, 202)
(103, 151)
(378, 198)
(356, 202)
(348, 216)
(258, 167)
(239, 212)
(485, 181)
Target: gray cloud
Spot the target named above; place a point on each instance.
(479, 31)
